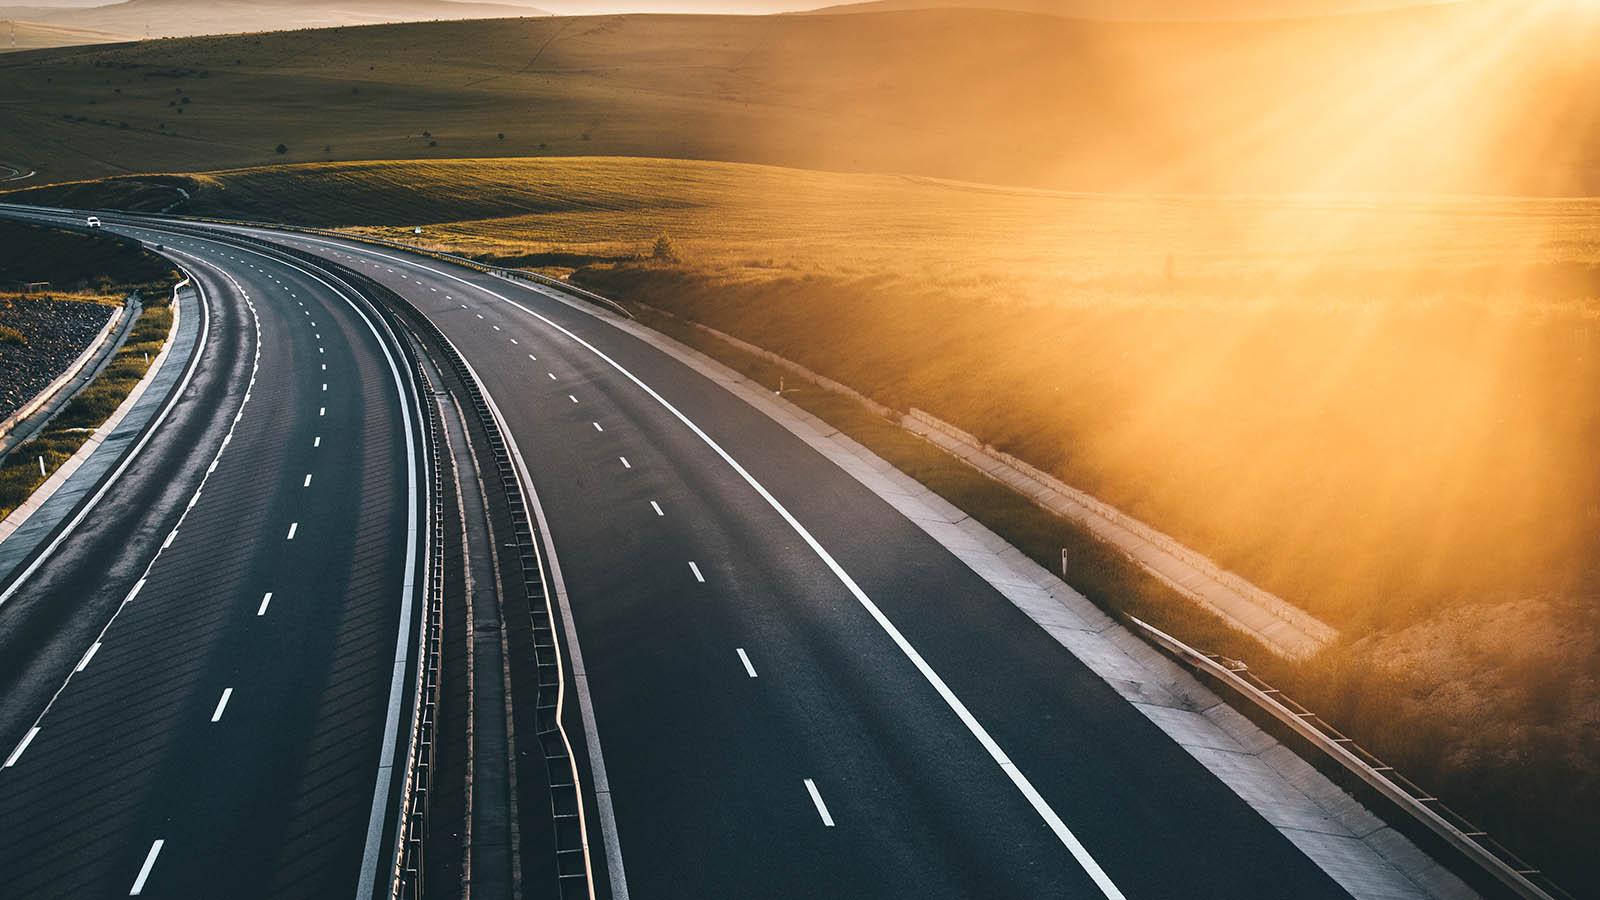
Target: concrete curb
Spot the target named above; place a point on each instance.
(31, 524)
(104, 346)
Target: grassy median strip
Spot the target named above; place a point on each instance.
(20, 472)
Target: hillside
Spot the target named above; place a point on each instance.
(16, 35)
(1145, 10)
(180, 18)
(1104, 106)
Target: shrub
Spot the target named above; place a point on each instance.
(663, 250)
(282, 149)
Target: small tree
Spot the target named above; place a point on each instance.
(500, 136)
(663, 250)
(282, 149)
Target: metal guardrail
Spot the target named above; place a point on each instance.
(1472, 843)
(409, 875)
(572, 853)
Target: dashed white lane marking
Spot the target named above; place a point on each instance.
(324, 385)
(308, 481)
(513, 340)
(317, 442)
(293, 527)
(17, 753)
(324, 367)
(265, 599)
(751, 670)
(144, 870)
(625, 463)
(572, 398)
(657, 507)
(495, 327)
(597, 427)
(322, 410)
(84, 663)
(532, 357)
(463, 306)
(822, 808)
(552, 375)
(320, 350)
(222, 704)
(480, 315)
(696, 570)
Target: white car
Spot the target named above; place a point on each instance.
(93, 221)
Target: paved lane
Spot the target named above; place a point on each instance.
(907, 732)
(222, 736)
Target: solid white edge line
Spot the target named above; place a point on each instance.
(144, 870)
(816, 798)
(23, 745)
(1018, 779)
(84, 663)
(222, 704)
(746, 660)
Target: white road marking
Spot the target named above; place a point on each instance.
(597, 427)
(320, 350)
(625, 463)
(265, 599)
(171, 536)
(822, 808)
(746, 660)
(495, 327)
(293, 526)
(322, 410)
(696, 570)
(222, 704)
(532, 357)
(317, 442)
(84, 663)
(657, 507)
(572, 398)
(974, 727)
(324, 367)
(480, 315)
(324, 385)
(552, 375)
(17, 753)
(308, 481)
(149, 862)
(513, 340)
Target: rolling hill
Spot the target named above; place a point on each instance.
(15, 35)
(975, 95)
(1146, 10)
(181, 18)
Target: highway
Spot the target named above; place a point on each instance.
(198, 684)
(789, 689)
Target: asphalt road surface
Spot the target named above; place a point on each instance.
(197, 685)
(796, 692)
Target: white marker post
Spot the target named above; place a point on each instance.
(1063, 562)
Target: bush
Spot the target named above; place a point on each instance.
(282, 149)
(12, 336)
(663, 250)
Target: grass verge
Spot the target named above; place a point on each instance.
(20, 472)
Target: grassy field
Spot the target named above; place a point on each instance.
(1384, 410)
(983, 95)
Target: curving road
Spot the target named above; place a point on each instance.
(792, 690)
(198, 684)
